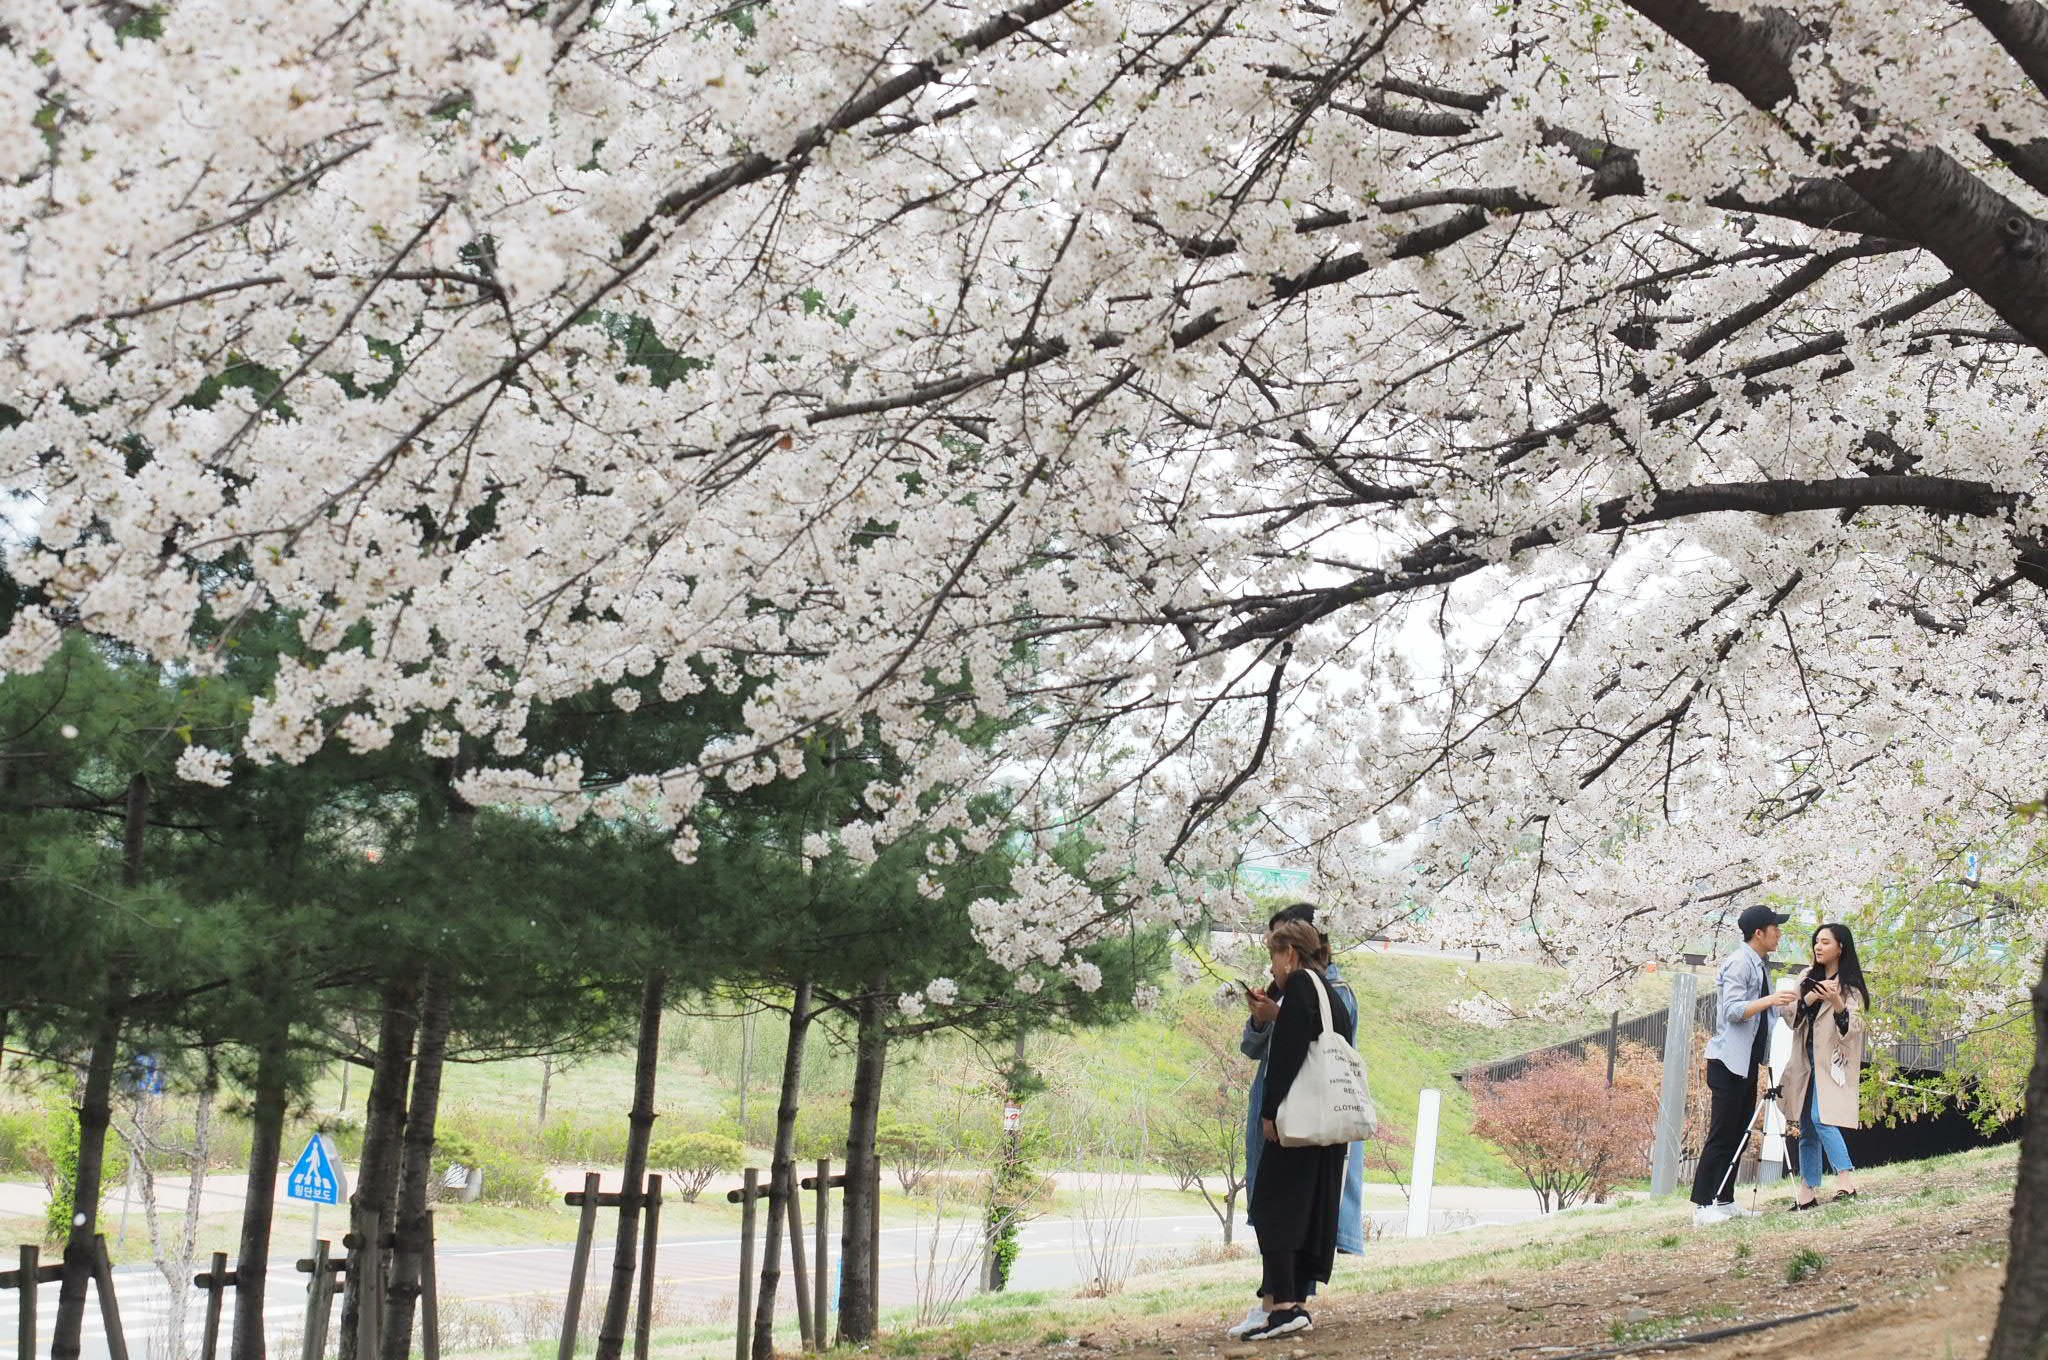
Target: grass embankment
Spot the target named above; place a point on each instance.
(1919, 1255)
(1409, 1041)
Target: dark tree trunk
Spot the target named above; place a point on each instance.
(781, 1175)
(859, 1279)
(95, 1112)
(383, 1126)
(402, 1291)
(2022, 1332)
(266, 1140)
(133, 828)
(611, 1335)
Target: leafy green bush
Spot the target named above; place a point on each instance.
(62, 1178)
(22, 1132)
(577, 1142)
(821, 1132)
(912, 1148)
(690, 1160)
(510, 1176)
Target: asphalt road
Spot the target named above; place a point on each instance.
(515, 1292)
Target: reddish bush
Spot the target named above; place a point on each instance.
(1569, 1133)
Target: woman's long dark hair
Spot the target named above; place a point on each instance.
(1848, 968)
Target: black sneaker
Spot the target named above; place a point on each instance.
(1282, 1322)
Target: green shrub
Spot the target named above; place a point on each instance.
(510, 1176)
(62, 1178)
(912, 1148)
(821, 1132)
(22, 1132)
(576, 1142)
(1804, 1265)
(690, 1160)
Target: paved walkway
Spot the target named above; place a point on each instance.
(224, 1193)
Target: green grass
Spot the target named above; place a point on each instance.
(1804, 1265)
(1658, 1328)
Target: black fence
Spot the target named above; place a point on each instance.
(1649, 1030)
(1911, 1055)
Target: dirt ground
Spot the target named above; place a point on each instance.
(1915, 1265)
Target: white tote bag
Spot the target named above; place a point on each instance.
(1329, 1102)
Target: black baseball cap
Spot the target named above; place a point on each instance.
(1754, 919)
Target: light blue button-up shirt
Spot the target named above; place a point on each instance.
(1743, 979)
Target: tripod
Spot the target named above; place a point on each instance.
(1764, 1097)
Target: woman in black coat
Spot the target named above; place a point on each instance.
(1296, 1198)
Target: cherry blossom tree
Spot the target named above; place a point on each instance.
(1589, 451)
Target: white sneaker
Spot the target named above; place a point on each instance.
(1737, 1211)
(1253, 1320)
(1705, 1215)
(1286, 1322)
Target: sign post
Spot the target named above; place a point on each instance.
(317, 1177)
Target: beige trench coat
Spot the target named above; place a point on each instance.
(1838, 1057)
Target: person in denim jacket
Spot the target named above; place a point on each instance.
(1254, 1043)
(1743, 997)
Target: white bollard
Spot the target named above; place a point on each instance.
(1426, 1112)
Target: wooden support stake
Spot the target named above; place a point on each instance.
(797, 1275)
(745, 1331)
(110, 1309)
(821, 1265)
(319, 1295)
(643, 1324)
(579, 1268)
(26, 1280)
(875, 1240)
(213, 1282)
(430, 1299)
(370, 1326)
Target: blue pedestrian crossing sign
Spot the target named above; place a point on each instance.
(317, 1175)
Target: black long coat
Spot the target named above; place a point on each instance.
(1299, 1190)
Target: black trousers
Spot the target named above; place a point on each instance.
(1734, 1101)
(1284, 1271)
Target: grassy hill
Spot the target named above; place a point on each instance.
(1103, 1084)
(1109, 1091)
(1405, 1033)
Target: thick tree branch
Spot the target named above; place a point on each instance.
(1459, 553)
(1993, 245)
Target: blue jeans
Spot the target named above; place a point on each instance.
(1816, 1137)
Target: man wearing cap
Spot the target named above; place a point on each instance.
(1734, 1056)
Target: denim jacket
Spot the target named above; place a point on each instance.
(1742, 980)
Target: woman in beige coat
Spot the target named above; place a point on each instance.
(1822, 1080)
